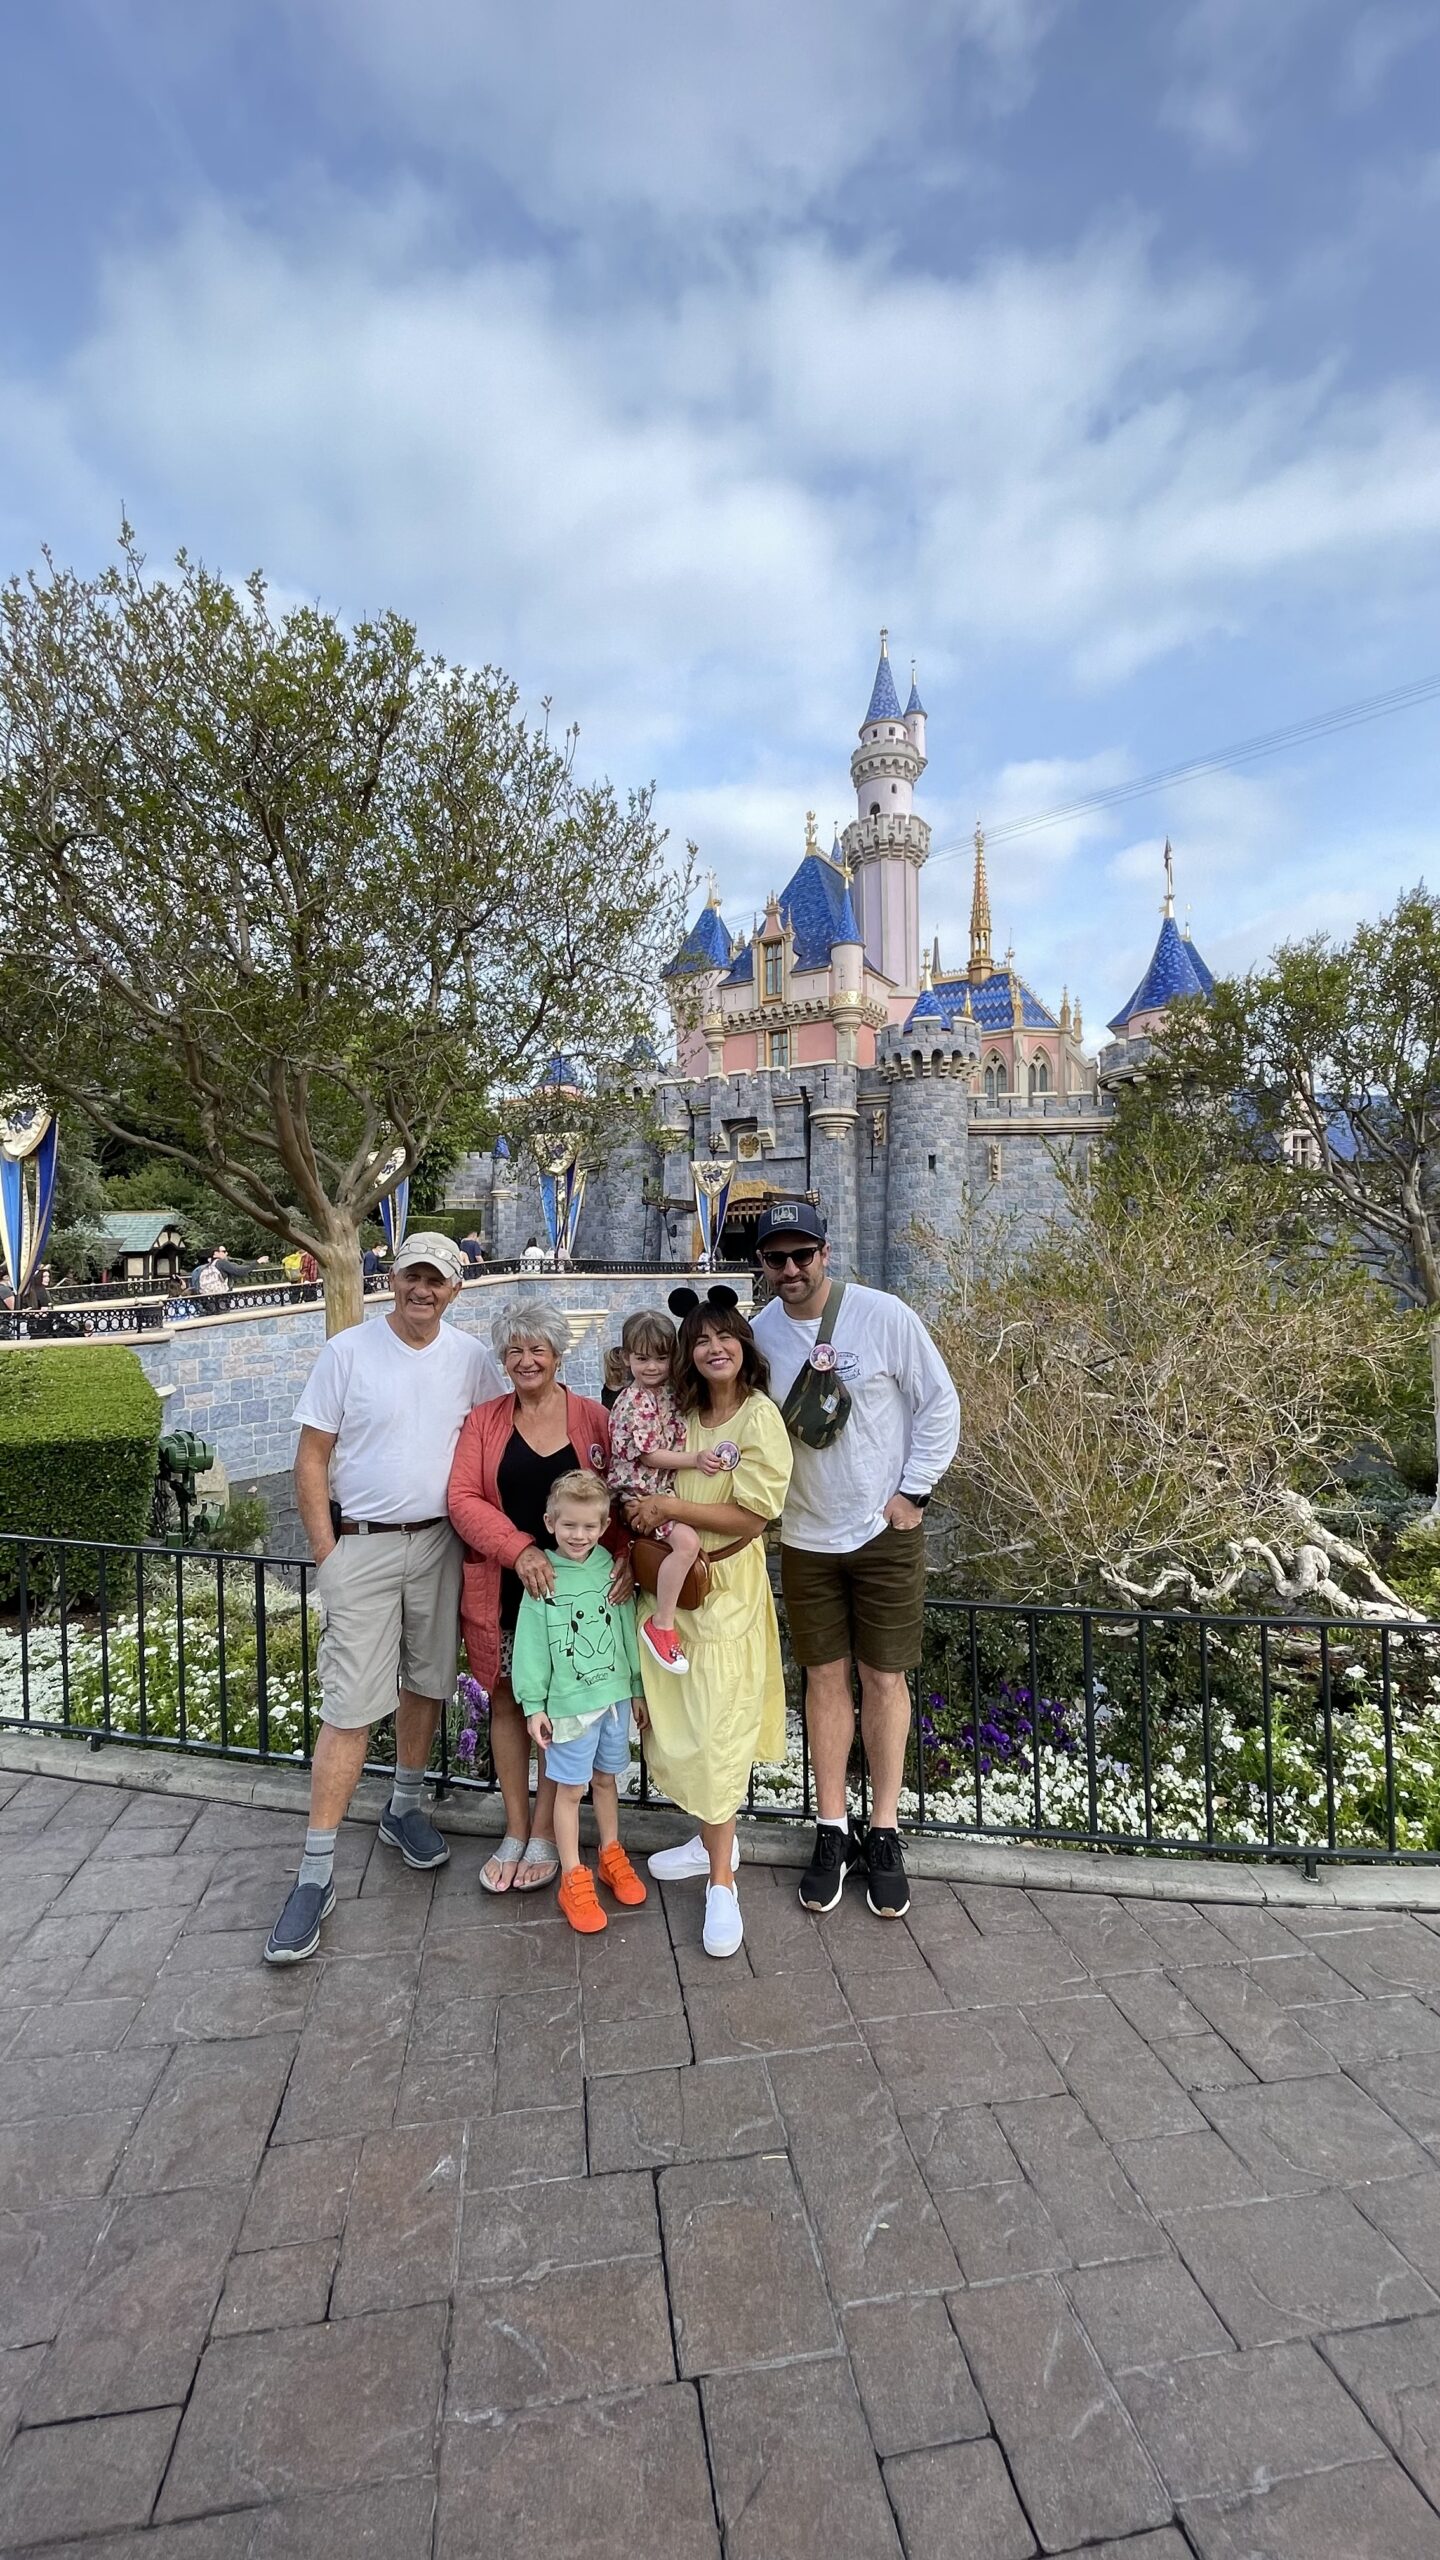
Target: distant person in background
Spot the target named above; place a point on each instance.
(309, 1271)
(212, 1280)
(372, 1264)
(473, 1249)
(534, 1254)
(616, 1375)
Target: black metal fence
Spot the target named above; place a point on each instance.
(1295, 1739)
(73, 1312)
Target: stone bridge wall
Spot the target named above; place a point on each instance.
(235, 1378)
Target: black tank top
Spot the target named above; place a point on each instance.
(523, 1481)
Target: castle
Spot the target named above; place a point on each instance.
(822, 1057)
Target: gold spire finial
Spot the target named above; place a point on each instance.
(1168, 908)
(713, 898)
(812, 841)
(980, 960)
(926, 980)
(884, 641)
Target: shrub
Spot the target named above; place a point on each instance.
(78, 1437)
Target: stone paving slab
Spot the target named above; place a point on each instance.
(1074, 2222)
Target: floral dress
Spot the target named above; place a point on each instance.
(642, 1419)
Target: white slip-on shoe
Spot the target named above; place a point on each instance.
(689, 1859)
(724, 1928)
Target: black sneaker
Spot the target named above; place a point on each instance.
(832, 1858)
(296, 1933)
(888, 1889)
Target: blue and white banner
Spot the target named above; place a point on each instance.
(562, 1188)
(29, 1153)
(395, 1212)
(712, 1177)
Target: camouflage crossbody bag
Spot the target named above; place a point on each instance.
(817, 1408)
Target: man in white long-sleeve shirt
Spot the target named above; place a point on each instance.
(852, 1540)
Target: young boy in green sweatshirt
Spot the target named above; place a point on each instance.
(575, 1667)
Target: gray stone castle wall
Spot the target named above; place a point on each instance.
(900, 1146)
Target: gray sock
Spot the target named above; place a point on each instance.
(318, 1864)
(405, 1795)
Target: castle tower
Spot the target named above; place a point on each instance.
(981, 964)
(885, 843)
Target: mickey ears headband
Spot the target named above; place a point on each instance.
(683, 1302)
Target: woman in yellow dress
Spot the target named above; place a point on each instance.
(708, 1727)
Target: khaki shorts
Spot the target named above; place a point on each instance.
(392, 1621)
(869, 1604)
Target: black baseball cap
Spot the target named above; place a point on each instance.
(788, 1218)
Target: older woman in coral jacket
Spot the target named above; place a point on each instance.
(509, 1453)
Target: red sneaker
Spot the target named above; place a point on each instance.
(617, 1872)
(665, 1646)
(580, 1903)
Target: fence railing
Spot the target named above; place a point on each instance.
(1125, 1730)
(73, 1311)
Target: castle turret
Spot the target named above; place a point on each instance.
(981, 964)
(915, 715)
(885, 843)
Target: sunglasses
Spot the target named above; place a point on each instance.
(802, 1255)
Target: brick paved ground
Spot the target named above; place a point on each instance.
(1044, 2221)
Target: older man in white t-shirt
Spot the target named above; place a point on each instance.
(379, 1418)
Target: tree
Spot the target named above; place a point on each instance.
(285, 900)
(77, 1247)
(1326, 1064)
(1160, 1395)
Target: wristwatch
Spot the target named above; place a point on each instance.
(917, 1501)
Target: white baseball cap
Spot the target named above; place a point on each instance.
(438, 1250)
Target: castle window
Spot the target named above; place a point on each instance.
(774, 958)
(874, 808)
(1039, 1076)
(930, 1161)
(779, 1048)
(996, 1081)
(894, 787)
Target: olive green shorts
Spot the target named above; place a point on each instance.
(869, 1604)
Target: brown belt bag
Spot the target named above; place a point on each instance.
(648, 1554)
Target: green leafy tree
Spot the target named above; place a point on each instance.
(285, 897)
(77, 1248)
(1322, 1071)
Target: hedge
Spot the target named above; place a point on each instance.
(79, 1431)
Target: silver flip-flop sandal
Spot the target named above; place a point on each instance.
(509, 1854)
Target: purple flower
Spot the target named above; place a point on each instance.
(475, 1703)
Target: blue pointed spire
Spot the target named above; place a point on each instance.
(914, 703)
(884, 700)
(847, 926)
(927, 1007)
(706, 945)
(1174, 971)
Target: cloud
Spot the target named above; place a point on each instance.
(704, 114)
(1231, 57)
(678, 515)
(1380, 39)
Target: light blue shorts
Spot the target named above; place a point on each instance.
(603, 1745)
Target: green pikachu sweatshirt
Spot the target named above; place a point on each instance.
(577, 1654)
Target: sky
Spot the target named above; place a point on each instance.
(661, 354)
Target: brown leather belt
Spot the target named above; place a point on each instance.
(384, 1528)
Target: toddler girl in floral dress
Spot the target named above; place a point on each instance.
(647, 1450)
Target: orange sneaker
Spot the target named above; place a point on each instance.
(579, 1904)
(617, 1872)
